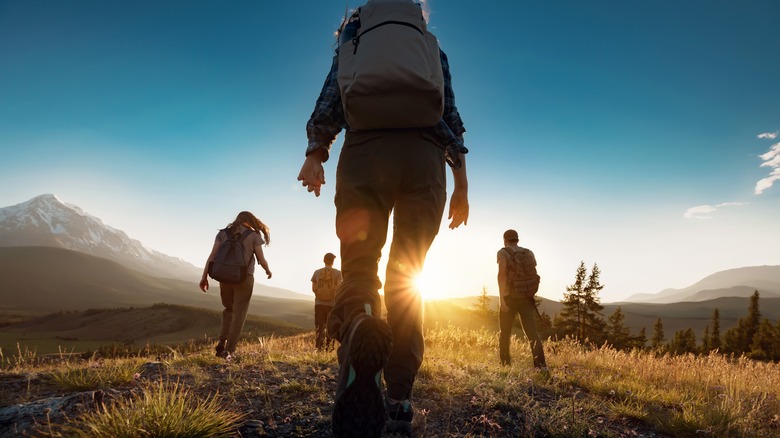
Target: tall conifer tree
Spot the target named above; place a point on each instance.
(568, 322)
(657, 339)
(580, 316)
(714, 342)
(752, 321)
(617, 333)
(593, 320)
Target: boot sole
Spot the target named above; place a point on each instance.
(359, 410)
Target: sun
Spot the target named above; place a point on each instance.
(430, 283)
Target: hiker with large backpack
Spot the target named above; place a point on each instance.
(323, 283)
(390, 88)
(518, 283)
(231, 263)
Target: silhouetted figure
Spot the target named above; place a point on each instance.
(236, 296)
(518, 282)
(323, 283)
(392, 161)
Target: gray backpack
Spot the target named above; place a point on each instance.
(390, 73)
(229, 264)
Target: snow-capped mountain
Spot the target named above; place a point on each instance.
(47, 221)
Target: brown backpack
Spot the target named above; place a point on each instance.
(522, 279)
(390, 73)
(326, 285)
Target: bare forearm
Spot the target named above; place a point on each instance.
(502, 285)
(459, 176)
(263, 262)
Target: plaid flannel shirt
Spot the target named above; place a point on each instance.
(328, 119)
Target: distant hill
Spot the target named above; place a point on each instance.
(47, 221)
(158, 324)
(44, 280)
(739, 282)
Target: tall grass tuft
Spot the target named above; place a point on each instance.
(24, 358)
(159, 410)
(96, 374)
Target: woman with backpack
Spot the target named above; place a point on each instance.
(231, 262)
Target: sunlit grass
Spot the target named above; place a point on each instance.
(24, 357)
(461, 389)
(679, 395)
(96, 374)
(159, 410)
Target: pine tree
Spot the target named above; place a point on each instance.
(617, 333)
(639, 341)
(714, 341)
(684, 341)
(569, 321)
(752, 322)
(544, 325)
(580, 316)
(739, 340)
(764, 341)
(657, 339)
(483, 304)
(594, 323)
(705, 340)
(733, 340)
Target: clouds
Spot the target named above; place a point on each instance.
(704, 211)
(771, 159)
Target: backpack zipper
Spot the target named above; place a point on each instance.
(356, 39)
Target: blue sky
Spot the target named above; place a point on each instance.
(628, 134)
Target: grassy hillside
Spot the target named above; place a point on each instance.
(159, 324)
(282, 387)
(42, 280)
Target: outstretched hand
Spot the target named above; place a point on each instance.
(459, 208)
(312, 174)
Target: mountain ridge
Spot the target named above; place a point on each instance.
(47, 221)
(48, 279)
(765, 279)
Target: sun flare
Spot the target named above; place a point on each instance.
(429, 283)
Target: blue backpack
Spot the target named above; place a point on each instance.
(229, 264)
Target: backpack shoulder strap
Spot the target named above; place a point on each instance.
(509, 253)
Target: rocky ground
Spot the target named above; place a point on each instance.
(288, 399)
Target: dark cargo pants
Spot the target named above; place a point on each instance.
(321, 312)
(526, 307)
(402, 171)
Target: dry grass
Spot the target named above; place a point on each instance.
(158, 410)
(280, 386)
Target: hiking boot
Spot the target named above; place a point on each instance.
(359, 410)
(400, 415)
(220, 348)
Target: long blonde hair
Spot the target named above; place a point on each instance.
(248, 219)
